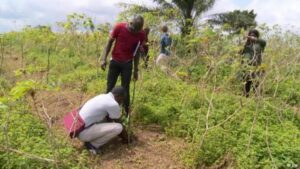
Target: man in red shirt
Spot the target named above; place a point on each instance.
(127, 37)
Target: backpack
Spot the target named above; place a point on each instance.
(73, 123)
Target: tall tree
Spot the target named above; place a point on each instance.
(190, 11)
(235, 20)
(154, 16)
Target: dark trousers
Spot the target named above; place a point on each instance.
(248, 85)
(252, 80)
(146, 57)
(125, 70)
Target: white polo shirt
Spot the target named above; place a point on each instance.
(96, 109)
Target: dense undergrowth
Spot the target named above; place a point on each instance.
(199, 98)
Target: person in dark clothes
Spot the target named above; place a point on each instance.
(145, 47)
(127, 39)
(252, 57)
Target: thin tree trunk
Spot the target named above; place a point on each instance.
(2, 55)
(48, 64)
(22, 56)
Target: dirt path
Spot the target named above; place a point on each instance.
(152, 149)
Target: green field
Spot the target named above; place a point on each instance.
(198, 99)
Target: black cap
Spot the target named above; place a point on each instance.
(118, 91)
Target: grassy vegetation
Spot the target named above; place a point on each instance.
(199, 98)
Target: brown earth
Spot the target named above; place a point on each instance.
(152, 149)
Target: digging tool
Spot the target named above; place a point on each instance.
(133, 94)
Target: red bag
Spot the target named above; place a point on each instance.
(74, 124)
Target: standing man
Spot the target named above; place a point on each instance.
(127, 38)
(252, 58)
(145, 46)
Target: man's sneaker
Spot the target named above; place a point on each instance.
(91, 148)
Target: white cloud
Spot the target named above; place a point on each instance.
(272, 12)
(277, 11)
(223, 6)
(34, 12)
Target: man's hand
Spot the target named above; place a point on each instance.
(103, 64)
(125, 138)
(124, 135)
(252, 38)
(106, 52)
(127, 113)
(135, 75)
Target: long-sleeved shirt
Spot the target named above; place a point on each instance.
(252, 53)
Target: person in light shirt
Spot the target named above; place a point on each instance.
(101, 116)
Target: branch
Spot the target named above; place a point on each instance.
(267, 142)
(28, 155)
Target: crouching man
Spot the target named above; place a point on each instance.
(101, 116)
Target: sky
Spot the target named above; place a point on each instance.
(15, 14)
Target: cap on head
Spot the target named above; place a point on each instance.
(118, 91)
(255, 32)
